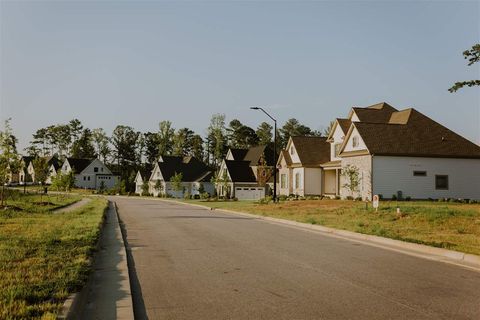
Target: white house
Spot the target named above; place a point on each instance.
(405, 154)
(246, 173)
(196, 177)
(90, 173)
(300, 166)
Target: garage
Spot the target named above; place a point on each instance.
(249, 193)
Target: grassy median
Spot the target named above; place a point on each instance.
(44, 256)
(454, 226)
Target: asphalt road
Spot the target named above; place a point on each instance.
(191, 263)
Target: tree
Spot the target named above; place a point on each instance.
(176, 181)
(152, 142)
(351, 173)
(264, 172)
(293, 128)
(264, 133)
(76, 128)
(125, 142)
(473, 56)
(83, 146)
(241, 136)
(145, 188)
(40, 166)
(9, 158)
(217, 138)
(165, 138)
(196, 149)
(63, 181)
(101, 142)
(182, 142)
(327, 130)
(159, 186)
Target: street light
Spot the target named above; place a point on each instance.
(274, 152)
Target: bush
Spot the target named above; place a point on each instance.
(337, 197)
(349, 198)
(235, 199)
(301, 198)
(380, 196)
(408, 198)
(441, 200)
(204, 195)
(394, 197)
(282, 197)
(186, 196)
(265, 200)
(471, 201)
(358, 199)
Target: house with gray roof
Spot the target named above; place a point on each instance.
(90, 173)
(246, 174)
(195, 175)
(401, 153)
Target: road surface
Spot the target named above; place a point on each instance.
(191, 263)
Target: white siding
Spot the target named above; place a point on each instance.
(349, 145)
(354, 117)
(337, 137)
(298, 190)
(284, 170)
(392, 174)
(313, 181)
(294, 156)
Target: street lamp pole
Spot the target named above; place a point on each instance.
(274, 152)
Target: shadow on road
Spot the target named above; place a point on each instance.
(138, 304)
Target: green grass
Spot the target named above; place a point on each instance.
(453, 226)
(19, 202)
(44, 256)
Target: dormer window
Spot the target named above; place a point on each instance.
(355, 141)
(337, 149)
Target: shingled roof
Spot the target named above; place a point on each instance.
(377, 113)
(240, 171)
(238, 154)
(312, 151)
(192, 169)
(286, 156)
(344, 124)
(79, 164)
(411, 133)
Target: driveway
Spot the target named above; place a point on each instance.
(192, 263)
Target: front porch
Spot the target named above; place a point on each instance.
(332, 172)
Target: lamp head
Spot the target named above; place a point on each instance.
(254, 108)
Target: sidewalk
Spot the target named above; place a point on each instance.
(107, 294)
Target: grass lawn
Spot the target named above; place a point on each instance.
(44, 256)
(452, 226)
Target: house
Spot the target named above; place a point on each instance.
(90, 173)
(141, 177)
(401, 153)
(25, 169)
(53, 166)
(246, 174)
(196, 177)
(300, 166)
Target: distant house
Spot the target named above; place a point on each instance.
(196, 177)
(53, 166)
(300, 166)
(90, 173)
(141, 177)
(246, 174)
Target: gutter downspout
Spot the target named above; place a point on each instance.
(371, 177)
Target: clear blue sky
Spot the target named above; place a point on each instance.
(137, 63)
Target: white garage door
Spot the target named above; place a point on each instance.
(253, 193)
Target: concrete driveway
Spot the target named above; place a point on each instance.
(192, 263)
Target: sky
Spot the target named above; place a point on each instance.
(138, 63)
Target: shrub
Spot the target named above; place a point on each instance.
(337, 197)
(358, 199)
(452, 200)
(441, 199)
(204, 195)
(471, 201)
(380, 196)
(235, 199)
(282, 197)
(186, 196)
(349, 198)
(394, 197)
(408, 198)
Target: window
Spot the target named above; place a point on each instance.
(292, 150)
(420, 173)
(88, 178)
(441, 182)
(101, 169)
(84, 178)
(95, 169)
(355, 141)
(337, 149)
(298, 183)
(283, 181)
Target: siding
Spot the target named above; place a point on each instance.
(392, 174)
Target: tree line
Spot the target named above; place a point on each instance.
(126, 149)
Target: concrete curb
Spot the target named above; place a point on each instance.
(75, 305)
(466, 260)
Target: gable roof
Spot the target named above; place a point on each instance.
(377, 113)
(312, 151)
(411, 133)
(344, 124)
(240, 171)
(254, 155)
(286, 156)
(79, 164)
(191, 168)
(238, 154)
(54, 161)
